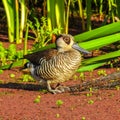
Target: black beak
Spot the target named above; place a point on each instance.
(76, 46)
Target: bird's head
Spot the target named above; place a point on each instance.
(65, 42)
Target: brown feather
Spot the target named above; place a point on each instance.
(35, 57)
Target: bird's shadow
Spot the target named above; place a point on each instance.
(22, 86)
(33, 87)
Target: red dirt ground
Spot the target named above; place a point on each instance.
(17, 100)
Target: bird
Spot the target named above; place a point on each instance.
(56, 65)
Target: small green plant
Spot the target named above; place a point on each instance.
(10, 54)
(27, 78)
(59, 103)
(75, 77)
(83, 118)
(90, 93)
(12, 75)
(102, 72)
(82, 76)
(1, 71)
(90, 102)
(3, 53)
(37, 99)
(117, 87)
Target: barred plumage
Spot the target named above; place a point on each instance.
(56, 65)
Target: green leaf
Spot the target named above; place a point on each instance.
(14, 64)
(99, 32)
(100, 58)
(90, 67)
(100, 42)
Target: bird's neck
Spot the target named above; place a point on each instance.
(63, 49)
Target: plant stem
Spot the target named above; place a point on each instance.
(23, 18)
(67, 17)
(60, 14)
(17, 21)
(81, 12)
(88, 11)
(9, 9)
(25, 42)
(51, 14)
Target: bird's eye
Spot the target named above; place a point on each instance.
(66, 39)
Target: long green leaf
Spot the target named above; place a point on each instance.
(51, 14)
(9, 9)
(99, 32)
(100, 42)
(90, 67)
(100, 58)
(93, 44)
(17, 22)
(60, 14)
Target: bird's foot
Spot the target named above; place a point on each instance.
(62, 88)
(58, 89)
(55, 91)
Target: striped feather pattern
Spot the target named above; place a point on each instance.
(60, 67)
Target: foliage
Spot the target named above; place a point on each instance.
(37, 99)
(7, 55)
(41, 32)
(27, 78)
(15, 30)
(56, 14)
(59, 103)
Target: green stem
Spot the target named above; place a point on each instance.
(88, 11)
(17, 21)
(9, 9)
(67, 17)
(101, 7)
(81, 12)
(51, 14)
(25, 42)
(60, 14)
(23, 18)
(118, 8)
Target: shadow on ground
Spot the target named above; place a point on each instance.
(30, 87)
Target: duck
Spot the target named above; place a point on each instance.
(56, 65)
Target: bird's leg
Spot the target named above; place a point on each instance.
(54, 91)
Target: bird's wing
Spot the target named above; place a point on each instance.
(35, 57)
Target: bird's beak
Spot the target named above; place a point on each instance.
(76, 46)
